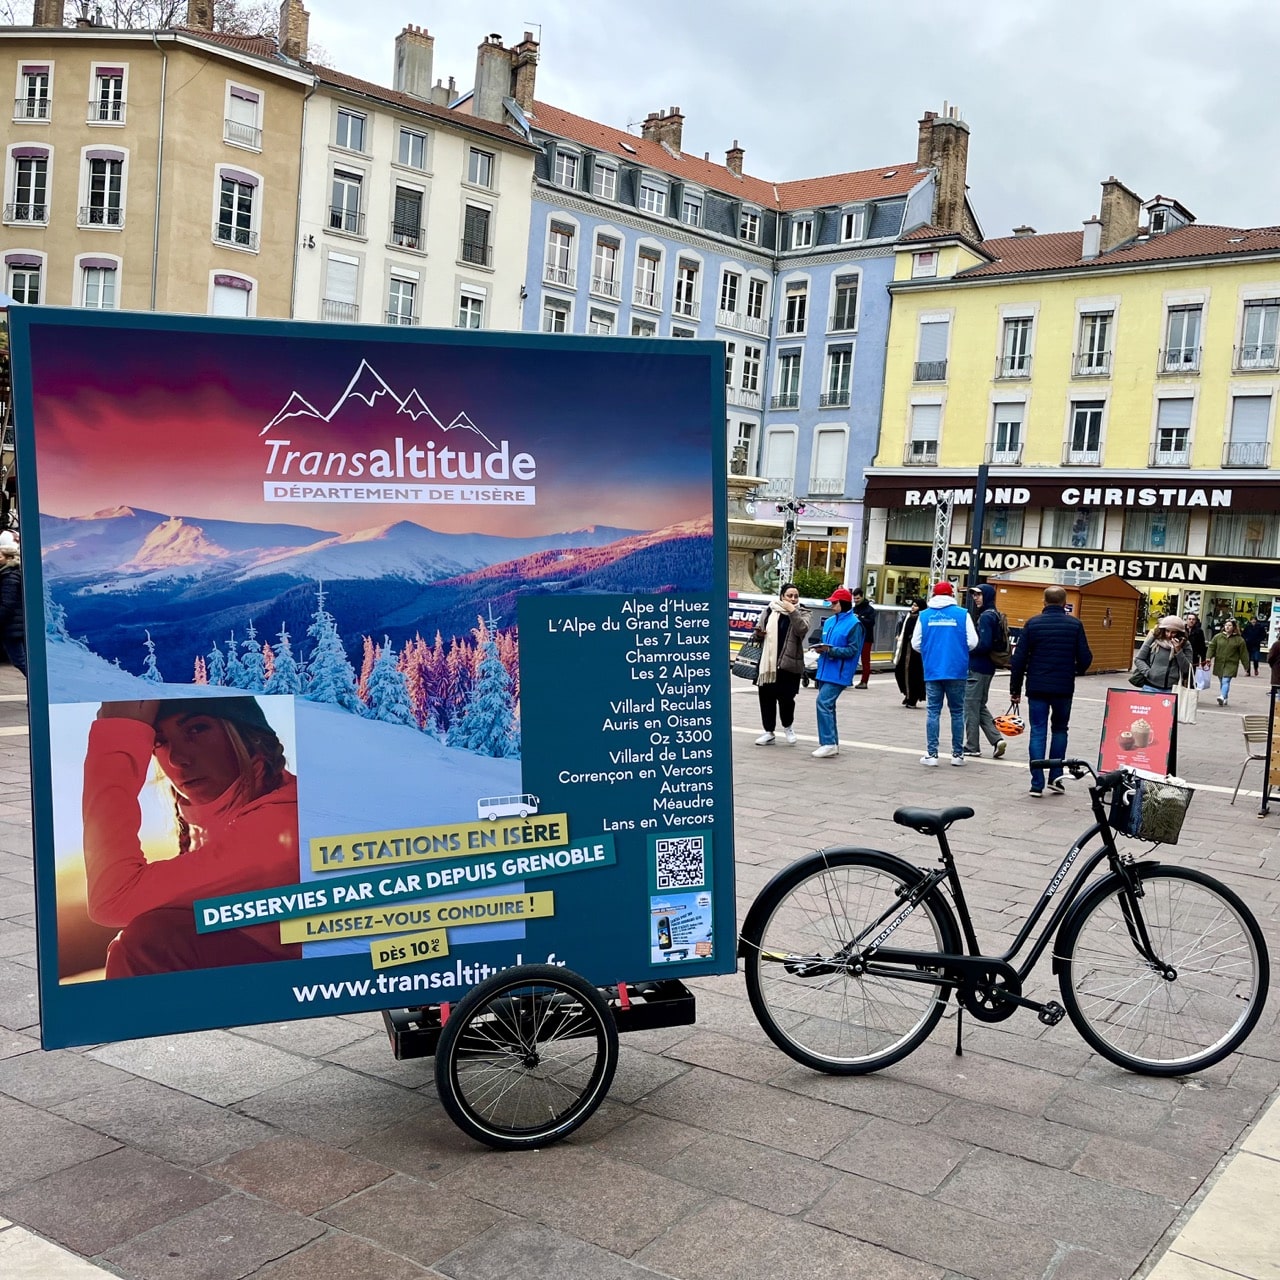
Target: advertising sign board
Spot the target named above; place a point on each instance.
(372, 662)
(1138, 731)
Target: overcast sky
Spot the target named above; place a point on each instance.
(1175, 98)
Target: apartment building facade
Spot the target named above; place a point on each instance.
(1121, 384)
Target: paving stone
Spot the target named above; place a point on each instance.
(166, 1122)
(297, 1174)
(24, 1256)
(746, 1171)
(755, 1112)
(427, 1145)
(16, 939)
(44, 1079)
(1127, 1164)
(19, 1008)
(731, 1056)
(36, 1144)
(1103, 1110)
(311, 1037)
(226, 1240)
(413, 1219)
(106, 1201)
(1011, 1132)
(881, 1094)
(729, 1240)
(978, 1078)
(334, 1105)
(371, 1056)
(214, 1065)
(13, 1043)
(648, 1140)
(924, 1228)
(580, 1191)
(527, 1251)
(1084, 1264)
(913, 1157)
(640, 1073)
(338, 1256)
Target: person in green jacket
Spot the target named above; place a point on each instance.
(1228, 653)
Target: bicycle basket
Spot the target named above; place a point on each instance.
(1148, 807)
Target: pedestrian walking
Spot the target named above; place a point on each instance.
(12, 631)
(1051, 652)
(838, 654)
(943, 636)
(1197, 641)
(1228, 652)
(1164, 661)
(866, 614)
(982, 670)
(780, 632)
(1254, 634)
(908, 670)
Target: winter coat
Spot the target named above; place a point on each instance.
(1228, 654)
(11, 612)
(943, 636)
(988, 628)
(866, 613)
(908, 668)
(1050, 653)
(1160, 666)
(839, 664)
(792, 629)
(1255, 634)
(1197, 642)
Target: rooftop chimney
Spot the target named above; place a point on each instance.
(733, 159)
(200, 15)
(294, 24)
(1119, 215)
(524, 71)
(493, 78)
(1024, 230)
(414, 51)
(943, 145)
(49, 13)
(1092, 239)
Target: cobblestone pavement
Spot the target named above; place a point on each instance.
(304, 1150)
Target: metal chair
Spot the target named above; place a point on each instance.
(1255, 743)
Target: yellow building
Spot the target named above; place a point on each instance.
(1120, 382)
(150, 170)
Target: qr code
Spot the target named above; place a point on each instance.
(682, 862)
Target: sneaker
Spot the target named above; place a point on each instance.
(929, 762)
(958, 761)
(1222, 702)
(999, 749)
(1057, 786)
(829, 750)
(972, 751)
(1034, 794)
(790, 734)
(764, 739)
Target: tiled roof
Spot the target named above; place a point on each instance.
(806, 193)
(261, 46)
(1060, 250)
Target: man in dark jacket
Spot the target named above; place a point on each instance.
(977, 715)
(1255, 636)
(1197, 641)
(1050, 653)
(866, 614)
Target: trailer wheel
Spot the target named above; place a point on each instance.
(526, 1057)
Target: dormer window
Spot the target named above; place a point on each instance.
(566, 170)
(1159, 221)
(802, 232)
(653, 196)
(1165, 215)
(853, 224)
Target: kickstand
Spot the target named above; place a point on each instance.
(959, 1028)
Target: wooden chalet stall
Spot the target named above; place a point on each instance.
(1105, 603)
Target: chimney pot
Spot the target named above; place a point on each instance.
(1119, 214)
(200, 15)
(414, 51)
(1091, 241)
(733, 159)
(49, 13)
(295, 22)
(1024, 230)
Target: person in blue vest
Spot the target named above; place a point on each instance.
(943, 636)
(838, 654)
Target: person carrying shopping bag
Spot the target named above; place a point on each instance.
(1164, 661)
(1228, 652)
(780, 633)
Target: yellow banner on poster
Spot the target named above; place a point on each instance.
(410, 949)
(499, 909)
(365, 849)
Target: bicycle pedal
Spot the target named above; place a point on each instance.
(1051, 1014)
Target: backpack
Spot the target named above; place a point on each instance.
(1000, 641)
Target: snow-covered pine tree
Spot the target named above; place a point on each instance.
(215, 667)
(487, 724)
(330, 675)
(369, 657)
(251, 664)
(55, 617)
(149, 669)
(234, 678)
(285, 676)
(388, 693)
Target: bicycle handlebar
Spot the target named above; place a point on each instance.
(1103, 782)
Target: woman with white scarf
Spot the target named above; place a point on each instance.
(780, 633)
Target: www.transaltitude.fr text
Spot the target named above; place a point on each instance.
(462, 975)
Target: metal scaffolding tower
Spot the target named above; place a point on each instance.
(941, 537)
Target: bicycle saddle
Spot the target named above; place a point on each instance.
(930, 822)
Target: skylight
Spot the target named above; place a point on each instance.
(626, 146)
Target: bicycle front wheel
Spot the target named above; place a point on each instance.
(526, 1057)
(800, 934)
(1189, 1004)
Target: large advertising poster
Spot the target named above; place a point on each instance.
(373, 663)
(1138, 731)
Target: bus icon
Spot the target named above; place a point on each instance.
(495, 807)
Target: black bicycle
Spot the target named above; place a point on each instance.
(851, 954)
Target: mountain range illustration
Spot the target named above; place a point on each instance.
(369, 387)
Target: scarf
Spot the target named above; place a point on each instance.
(768, 669)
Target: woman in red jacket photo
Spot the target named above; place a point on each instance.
(235, 808)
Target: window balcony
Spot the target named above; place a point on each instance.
(1009, 456)
(920, 453)
(606, 287)
(1091, 364)
(340, 312)
(564, 277)
(476, 252)
(776, 487)
(350, 222)
(1257, 355)
(738, 320)
(406, 235)
(242, 135)
(105, 111)
(1013, 367)
(1178, 360)
(1251, 453)
(687, 307)
(785, 400)
(793, 328)
(1170, 457)
(37, 214)
(930, 371)
(400, 317)
(650, 298)
(235, 237)
(742, 398)
(1073, 457)
(834, 400)
(826, 486)
(96, 215)
(32, 108)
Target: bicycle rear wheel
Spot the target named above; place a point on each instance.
(1194, 1008)
(796, 943)
(526, 1057)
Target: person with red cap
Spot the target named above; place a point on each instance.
(943, 636)
(838, 655)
